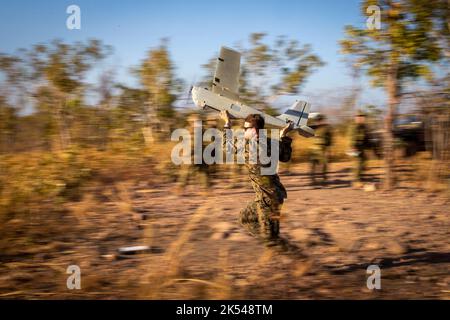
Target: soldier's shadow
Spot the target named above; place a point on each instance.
(283, 245)
(392, 262)
(372, 178)
(338, 183)
(279, 244)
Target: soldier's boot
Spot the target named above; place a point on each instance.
(278, 244)
(269, 213)
(357, 184)
(248, 219)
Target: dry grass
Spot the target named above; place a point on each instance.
(155, 280)
(57, 208)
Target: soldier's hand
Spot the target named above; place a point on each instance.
(288, 128)
(225, 116)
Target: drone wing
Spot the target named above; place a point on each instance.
(226, 77)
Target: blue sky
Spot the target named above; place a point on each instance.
(196, 30)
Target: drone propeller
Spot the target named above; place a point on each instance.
(188, 97)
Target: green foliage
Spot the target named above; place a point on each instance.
(63, 66)
(157, 77)
(284, 65)
(408, 41)
(8, 123)
(34, 179)
(412, 37)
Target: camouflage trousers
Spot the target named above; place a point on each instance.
(360, 166)
(320, 163)
(199, 174)
(261, 217)
(318, 160)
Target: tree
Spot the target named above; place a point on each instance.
(130, 114)
(105, 91)
(403, 49)
(157, 77)
(58, 66)
(8, 124)
(46, 109)
(13, 91)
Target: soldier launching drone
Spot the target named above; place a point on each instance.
(262, 215)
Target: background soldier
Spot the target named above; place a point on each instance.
(211, 122)
(194, 172)
(261, 216)
(359, 138)
(320, 150)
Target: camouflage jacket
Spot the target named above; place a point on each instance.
(263, 185)
(322, 138)
(359, 137)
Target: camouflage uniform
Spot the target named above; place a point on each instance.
(359, 141)
(262, 215)
(319, 152)
(211, 169)
(197, 172)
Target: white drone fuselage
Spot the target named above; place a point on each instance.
(205, 98)
(224, 95)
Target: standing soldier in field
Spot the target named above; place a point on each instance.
(319, 152)
(359, 139)
(261, 216)
(198, 172)
(211, 122)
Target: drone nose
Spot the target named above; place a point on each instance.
(195, 96)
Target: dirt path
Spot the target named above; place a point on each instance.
(200, 252)
(341, 231)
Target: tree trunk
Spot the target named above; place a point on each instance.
(64, 133)
(393, 100)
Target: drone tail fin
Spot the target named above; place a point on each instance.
(298, 114)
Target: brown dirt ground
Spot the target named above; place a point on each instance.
(200, 252)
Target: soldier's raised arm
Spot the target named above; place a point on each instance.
(285, 149)
(227, 135)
